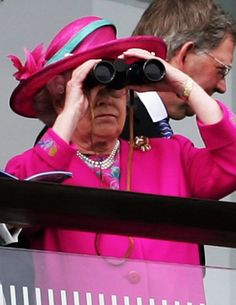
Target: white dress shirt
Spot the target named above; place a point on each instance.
(154, 105)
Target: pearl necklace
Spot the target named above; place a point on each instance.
(100, 164)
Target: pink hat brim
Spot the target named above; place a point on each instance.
(21, 100)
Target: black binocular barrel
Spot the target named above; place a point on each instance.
(118, 74)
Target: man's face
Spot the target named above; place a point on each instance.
(207, 69)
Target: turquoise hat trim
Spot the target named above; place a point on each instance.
(78, 38)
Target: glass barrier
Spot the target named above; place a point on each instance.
(49, 278)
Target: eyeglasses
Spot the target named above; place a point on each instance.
(225, 68)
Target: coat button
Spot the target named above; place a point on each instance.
(133, 277)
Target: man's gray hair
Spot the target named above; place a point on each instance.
(203, 22)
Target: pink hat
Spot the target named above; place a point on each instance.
(83, 39)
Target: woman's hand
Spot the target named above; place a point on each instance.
(173, 81)
(203, 105)
(76, 101)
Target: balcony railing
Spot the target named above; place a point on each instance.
(50, 278)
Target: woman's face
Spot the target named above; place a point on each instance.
(105, 117)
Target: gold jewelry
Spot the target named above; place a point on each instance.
(188, 86)
(187, 89)
(100, 164)
(142, 143)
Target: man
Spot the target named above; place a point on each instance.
(200, 38)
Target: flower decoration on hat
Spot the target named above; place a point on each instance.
(85, 38)
(34, 62)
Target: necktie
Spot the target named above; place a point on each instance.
(164, 128)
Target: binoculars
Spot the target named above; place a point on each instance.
(117, 74)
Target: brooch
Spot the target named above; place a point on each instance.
(142, 143)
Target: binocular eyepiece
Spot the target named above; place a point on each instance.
(118, 74)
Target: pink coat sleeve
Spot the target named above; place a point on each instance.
(212, 170)
(50, 153)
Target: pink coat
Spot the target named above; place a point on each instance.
(172, 167)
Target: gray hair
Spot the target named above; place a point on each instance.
(203, 22)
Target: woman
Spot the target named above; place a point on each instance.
(86, 124)
(84, 136)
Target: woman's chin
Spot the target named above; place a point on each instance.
(107, 133)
